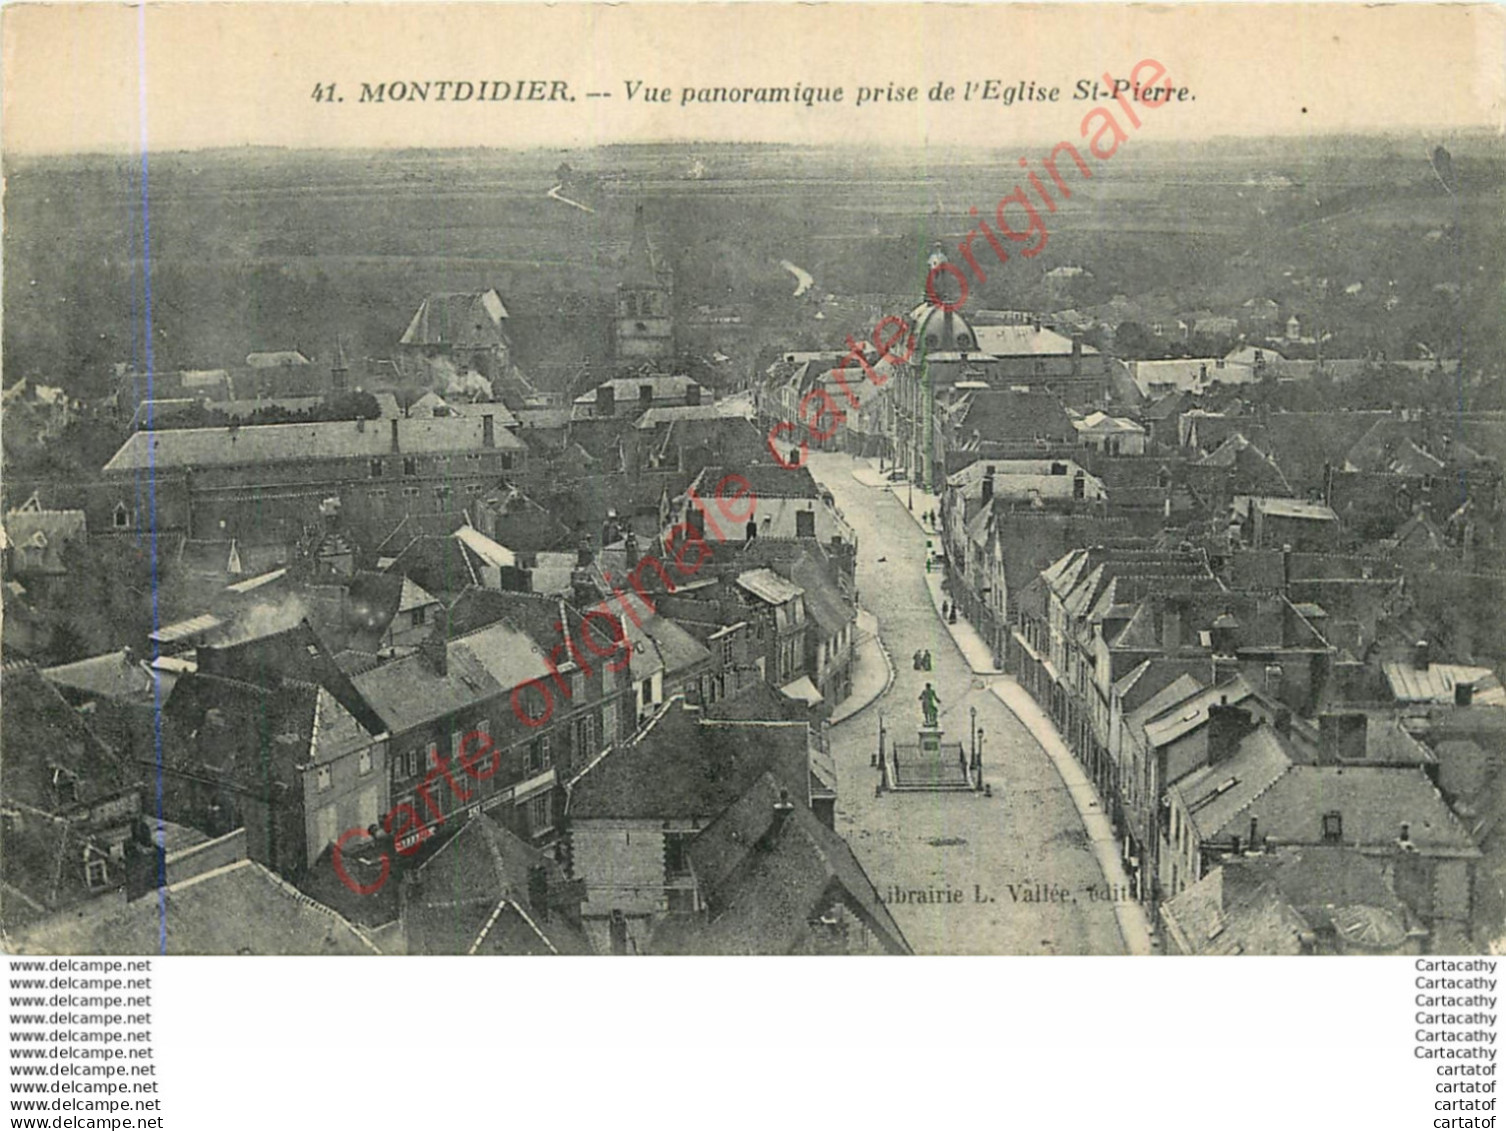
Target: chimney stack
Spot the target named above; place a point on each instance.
(606, 400)
(1076, 356)
(1464, 694)
(1342, 738)
(488, 431)
(692, 393)
(1226, 726)
(1422, 656)
(538, 889)
(1286, 568)
(436, 652)
(988, 483)
(396, 447)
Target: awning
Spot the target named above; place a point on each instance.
(802, 689)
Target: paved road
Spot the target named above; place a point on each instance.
(1017, 864)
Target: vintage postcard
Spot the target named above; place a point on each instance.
(475, 475)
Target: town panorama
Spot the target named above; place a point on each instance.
(739, 549)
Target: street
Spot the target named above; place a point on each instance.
(962, 873)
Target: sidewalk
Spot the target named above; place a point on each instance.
(872, 669)
(1134, 925)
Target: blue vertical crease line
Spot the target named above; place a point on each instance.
(159, 848)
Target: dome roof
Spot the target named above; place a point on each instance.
(939, 331)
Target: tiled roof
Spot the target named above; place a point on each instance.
(114, 675)
(1005, 415)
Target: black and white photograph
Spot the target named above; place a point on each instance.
(753, 480)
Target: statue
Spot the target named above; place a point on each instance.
(930, 704)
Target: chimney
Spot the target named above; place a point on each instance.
(1341, 738)
(538, 889)
(1422, 656)
(988, 483)
(1286, 568)
(360, 424)
(396, 447)
(631, 545)
(1226, 726)
(1464, 694)
(1283, 722)
(1202, 372)
(488, 431)
(1076, 356)
(606, 400)
(693, 393)
(782, 810)
(1254, 834)
(436, 652)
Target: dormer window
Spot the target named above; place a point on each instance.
(122, 517)
(1333, 828)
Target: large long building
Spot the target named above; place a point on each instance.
(264, 483)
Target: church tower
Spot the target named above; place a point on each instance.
(644, 329)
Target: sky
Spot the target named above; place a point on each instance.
(107, 77)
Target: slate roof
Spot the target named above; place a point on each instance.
(764, 881)
(1374, 802)
(764, 481)
(1009, 416)
(462, 321)
(824, 601)
(180, 448)
(115, 675)
(1436, 683)
(41, 734)
(1231, 911)
(239, 909)
(1025, 340)
(37, 537)
(682, 767)
(473, 897)
(1215, 795)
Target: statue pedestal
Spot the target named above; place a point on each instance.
(930, 739)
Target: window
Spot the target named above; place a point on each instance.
(417, 616)
(577, 684)
(96, 873)
(410, 492)
(378, 469)
(473, 488)
(122, 516)
(506, 461)
(805, 524)
(410, 465)
(431, 755)
(363, 763)
(540, 814)
(322, 780)
(727, 651)
(676, 858)
(538, 755)
(584, 737)
(379, 493)
(1333, 828)
(647, 692)
(609, 722)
